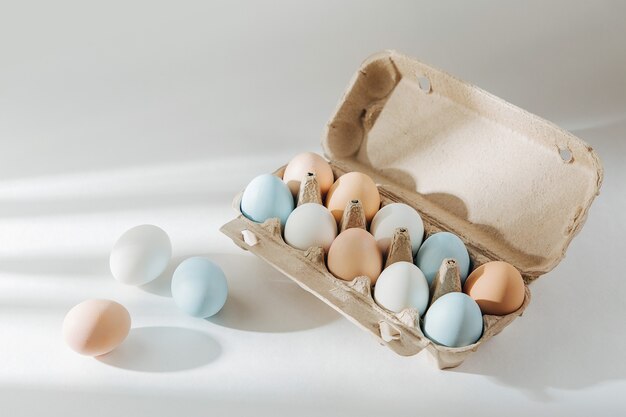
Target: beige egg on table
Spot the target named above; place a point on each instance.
(95, 327)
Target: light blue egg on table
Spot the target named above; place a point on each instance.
(199, 287)
(453, 320)
(266, 197)
(438, 247)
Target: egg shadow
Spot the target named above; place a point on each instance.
(163, 349)
(261, 299)
(162, 285)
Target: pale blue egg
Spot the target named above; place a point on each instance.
(266, 197)
(199, 287)
(453, 320)
(438, 247)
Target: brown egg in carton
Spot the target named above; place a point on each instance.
(519, 193)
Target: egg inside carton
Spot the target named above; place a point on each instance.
(399, 331)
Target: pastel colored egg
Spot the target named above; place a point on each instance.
(402, 285)
(453, 320)
(438, 247)
(354, 253)
(393, 216)
(199, 287)
(301, 164)
(267, 197)
(140, 255)
(310, 225)
(353, 186)
(95, 327)
(497, 287)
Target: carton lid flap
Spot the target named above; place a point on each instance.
(508, 182)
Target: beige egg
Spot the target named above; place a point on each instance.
(304, 163)
(497, 287)
(353, 186)
(354, 253)
(95, 327)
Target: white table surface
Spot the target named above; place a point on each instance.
(123, 113)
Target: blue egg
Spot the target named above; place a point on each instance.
(199, 287)
(453, 320)
(438, 247)
(266, 197)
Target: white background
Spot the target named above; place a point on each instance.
(119, 113)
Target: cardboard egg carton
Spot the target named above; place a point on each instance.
(511, 185)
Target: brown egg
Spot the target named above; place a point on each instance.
(353, 186)
(497, 287)
(304, 163)
(96, 327)
(354, 253)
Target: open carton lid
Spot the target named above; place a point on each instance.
(514, 186)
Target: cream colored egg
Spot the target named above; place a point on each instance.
(393, 216)
(402, 285)
(310, 225)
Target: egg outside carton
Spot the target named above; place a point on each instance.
(401, 332)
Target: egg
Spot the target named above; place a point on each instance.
(402, 285)
(453, 320)
(353, 186)
(354, 253)
(140, 255)
(199, 287)
(304, 163)
(497, 287)
(266, 197)
(438, 247)
(95, 327)
(310, 225)
(393, 216)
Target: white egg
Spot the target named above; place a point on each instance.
(140, 255)
(310, 225)
(402, 285)
(393, 216)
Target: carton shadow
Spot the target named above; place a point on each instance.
(261, 299)
(163, 349)
(564, 341)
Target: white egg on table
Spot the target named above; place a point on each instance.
(140, 255)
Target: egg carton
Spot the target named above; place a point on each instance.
(511, 185)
